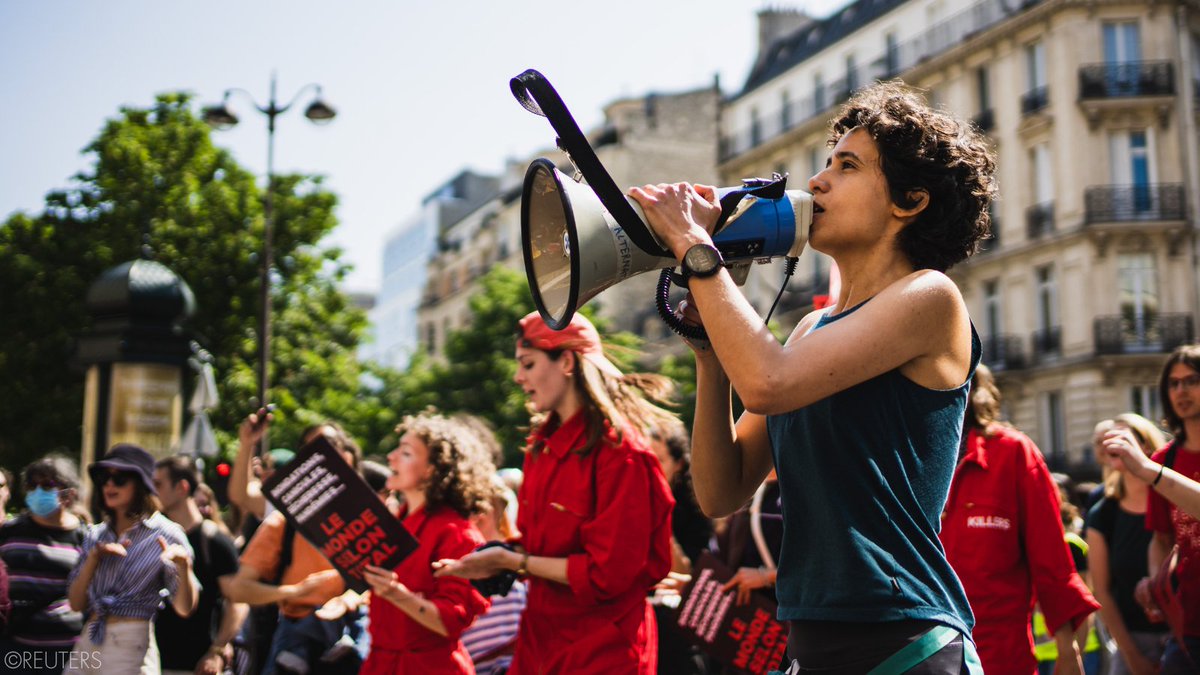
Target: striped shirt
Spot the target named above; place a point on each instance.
(494, 630)
(39, 559)
(134, 585)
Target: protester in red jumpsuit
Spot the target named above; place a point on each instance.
(595, 509)
(1179, 388)
(444, 473)
(1004, 537)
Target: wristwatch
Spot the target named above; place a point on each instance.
(702, 260)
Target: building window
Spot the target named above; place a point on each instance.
(1122, 42)
(1040, 216)
(992, 325)
(1047, 338)
(1195, 64)
(1054, 437)
(1043, 173)
(1143, 400)
(851, 74)
(755, 128)
(430, 338)
(785, 110)
(1036, 94)
(1047, 298)
(983, 88)
(985, 118)
(818, 93)
(891, 55)
(1131, 166)
(1137, 293)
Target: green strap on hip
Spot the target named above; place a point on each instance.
(917, 651)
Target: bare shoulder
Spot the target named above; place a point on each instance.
(932, 306)
(805, 324)
(929, 287)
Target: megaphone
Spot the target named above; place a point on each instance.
(579, 239)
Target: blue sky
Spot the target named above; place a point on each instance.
(421, 88)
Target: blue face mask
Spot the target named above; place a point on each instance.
(42, 502)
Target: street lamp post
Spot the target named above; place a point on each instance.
(221, 117)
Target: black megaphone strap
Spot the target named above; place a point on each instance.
(534, 92)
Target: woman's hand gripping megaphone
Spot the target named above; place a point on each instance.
(681, 215)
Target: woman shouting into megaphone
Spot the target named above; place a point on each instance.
(861, 410)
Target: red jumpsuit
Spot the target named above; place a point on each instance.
(401, 645)
(1003, 534)
(608, 513)
(1163, 516)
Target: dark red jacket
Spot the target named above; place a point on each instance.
(401, 645)
(1003, 534)
(609, 514)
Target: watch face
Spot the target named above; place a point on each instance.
(702, 260)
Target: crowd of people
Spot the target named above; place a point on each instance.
(870, 490)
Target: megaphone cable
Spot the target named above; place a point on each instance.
(686, 330)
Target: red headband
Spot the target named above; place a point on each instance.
(579, 336)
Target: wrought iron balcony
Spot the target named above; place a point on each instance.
(1122, 203)
(1039, 220)
(1119, 80)
(1047, 343)
(1034, 100)
(1151, 333)
(985, 120)
(1003, 352)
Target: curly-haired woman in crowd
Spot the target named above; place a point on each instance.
(595, 514)
(444, 473)
(861, 410)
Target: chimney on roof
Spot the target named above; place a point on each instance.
(777, 22)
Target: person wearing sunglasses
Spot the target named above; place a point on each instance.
(127, 563)
(40, 547)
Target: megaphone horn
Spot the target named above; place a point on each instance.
(574, 248)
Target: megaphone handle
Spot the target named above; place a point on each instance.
(667, 313)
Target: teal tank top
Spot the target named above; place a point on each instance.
(864, 475)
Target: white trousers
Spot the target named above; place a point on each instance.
(129, 648)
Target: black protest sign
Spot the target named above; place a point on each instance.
(338, 513)
(746, 637)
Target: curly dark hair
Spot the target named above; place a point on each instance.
(923, 149)
(462, 465)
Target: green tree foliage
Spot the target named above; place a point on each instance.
(157, 179)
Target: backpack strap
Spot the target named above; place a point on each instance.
(286, 546)
(1169, 458)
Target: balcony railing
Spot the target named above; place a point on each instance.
(1003, 352)
(1034, 100)
(1047, 342)
(985, 120)
(1150, 333)
(1119, 80)
(1039, 220)
(1122, 203)
(892, 61)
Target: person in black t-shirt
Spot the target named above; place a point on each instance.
(1117, 543)
(201, 643)
(40, 547)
